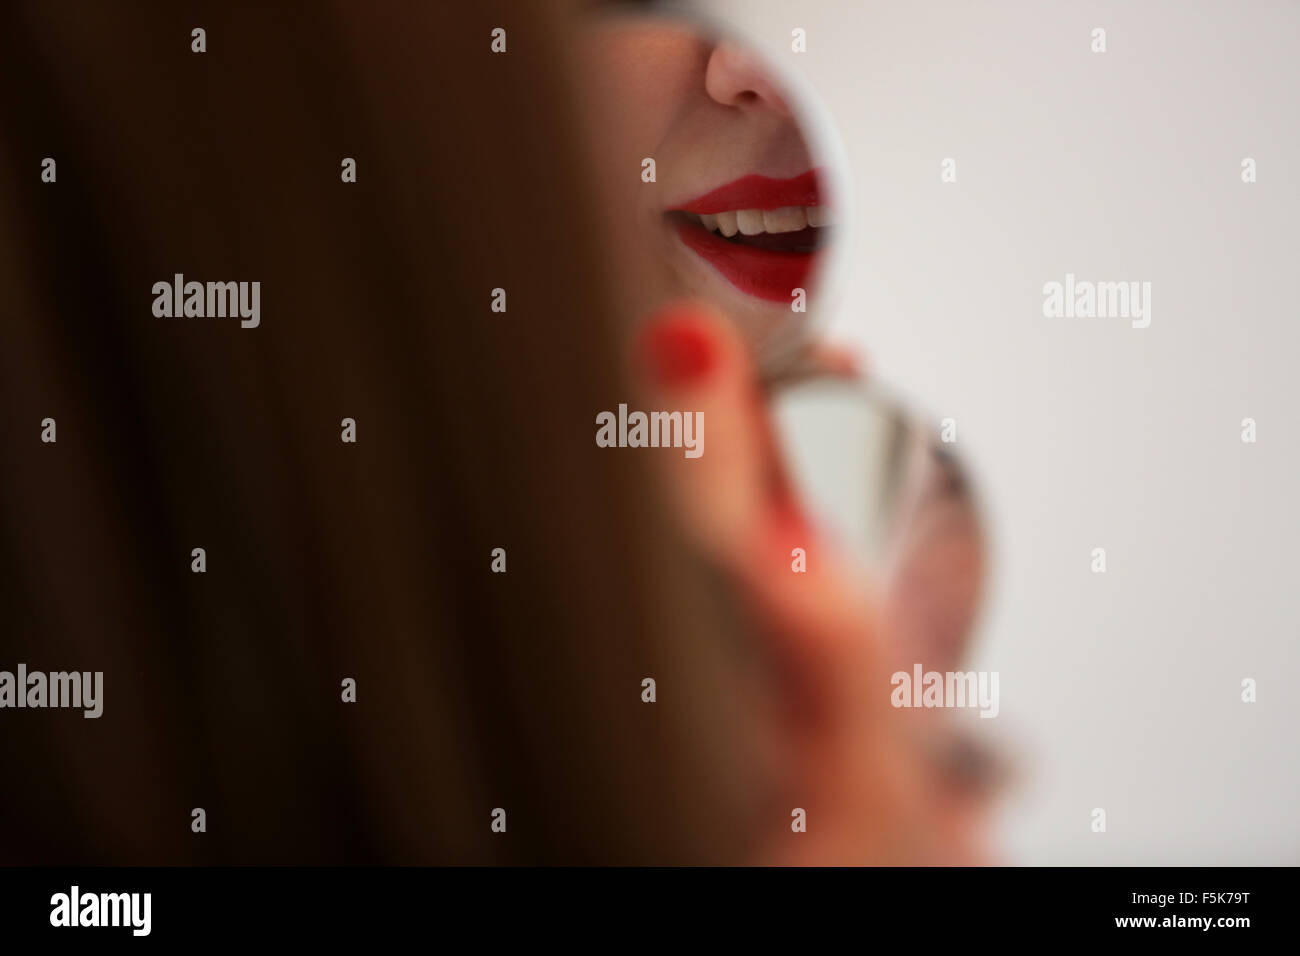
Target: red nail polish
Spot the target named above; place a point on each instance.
(676, 349)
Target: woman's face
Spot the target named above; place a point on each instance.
(732, 209)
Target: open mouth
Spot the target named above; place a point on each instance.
(763, 235)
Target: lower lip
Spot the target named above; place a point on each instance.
(764, 274)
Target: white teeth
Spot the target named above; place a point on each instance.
(819, 216)
(750, 221)
(785, 219)
(726, 222)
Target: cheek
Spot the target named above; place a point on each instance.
(640, 82)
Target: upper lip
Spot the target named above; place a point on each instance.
(757, 192)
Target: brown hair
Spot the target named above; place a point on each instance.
(328, 560)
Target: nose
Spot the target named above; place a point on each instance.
(733, 77)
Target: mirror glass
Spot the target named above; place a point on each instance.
(887, 491)
(707, 172)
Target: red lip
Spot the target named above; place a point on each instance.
(759, 272)
(757, 192)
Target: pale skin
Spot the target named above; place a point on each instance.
(837, 749)
(708, 113)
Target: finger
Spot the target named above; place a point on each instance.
(695, 362)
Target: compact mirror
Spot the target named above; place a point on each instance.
(709, 172)
(887, 491)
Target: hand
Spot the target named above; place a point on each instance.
(836, 748)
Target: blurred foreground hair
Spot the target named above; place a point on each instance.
(328, 560)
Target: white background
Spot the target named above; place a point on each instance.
(1120, 690)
